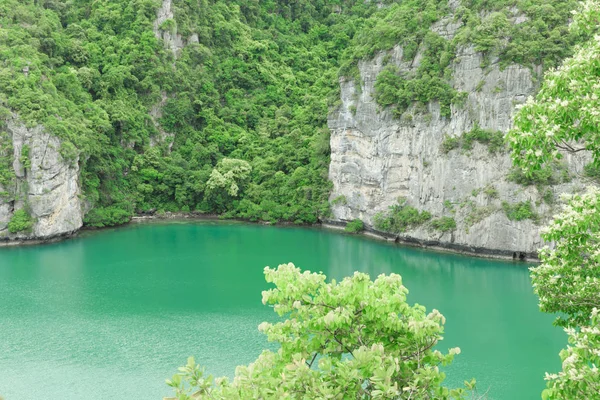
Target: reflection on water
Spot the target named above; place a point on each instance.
(113, 313)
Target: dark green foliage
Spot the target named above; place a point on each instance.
(400, 217)
(256, 87)
(552, 174)
(68, 152)
(493, 139)
(392, 88)
(20, 221)
(107, 216)
(520, 211)
(6, 158)
(444, 224)
(24, 158)
(450, 143)
(548, 196)
(427, 84)
(592, 171)
(405, 23)
(355, 226)
(544, 39)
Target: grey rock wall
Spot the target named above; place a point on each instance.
(375, 158)
(48, 189)
(171, 38)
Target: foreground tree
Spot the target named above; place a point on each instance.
(565, 118)
(356, 339)
(567, 283)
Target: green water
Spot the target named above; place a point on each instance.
(111, 314)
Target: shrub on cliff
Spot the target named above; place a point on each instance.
(520, 211)
(20, 221)
(355, 226)
(400, 217)
(444, 224)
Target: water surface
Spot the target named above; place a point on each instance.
(113, 313)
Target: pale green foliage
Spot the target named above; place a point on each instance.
(566, 111)
(227, 176)
(579, 378)
(356, 339)
(565, 117)
(567, 279)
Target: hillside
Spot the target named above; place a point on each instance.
(113, 108)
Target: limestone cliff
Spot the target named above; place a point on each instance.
(44, 184)
(171, 38)
(376, 158)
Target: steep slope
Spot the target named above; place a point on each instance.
(452, 168)
(182, 105)
(221, 107)
(44, 187)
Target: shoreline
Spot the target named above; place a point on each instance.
(338, 226)
(451, 248)
(34, 242)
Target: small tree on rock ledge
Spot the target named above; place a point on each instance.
(356, 339)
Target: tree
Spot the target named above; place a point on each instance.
(225, 183)
(579, 378)
(564, 118)
(227, 176)
(356, 339)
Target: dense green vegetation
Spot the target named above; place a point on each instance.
(543, 40)
(408, 23)
(234, 123)
(253, 90)
(242, 133)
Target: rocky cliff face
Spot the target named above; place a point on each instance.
(44, 184)
(376, 159)
(171, 38)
